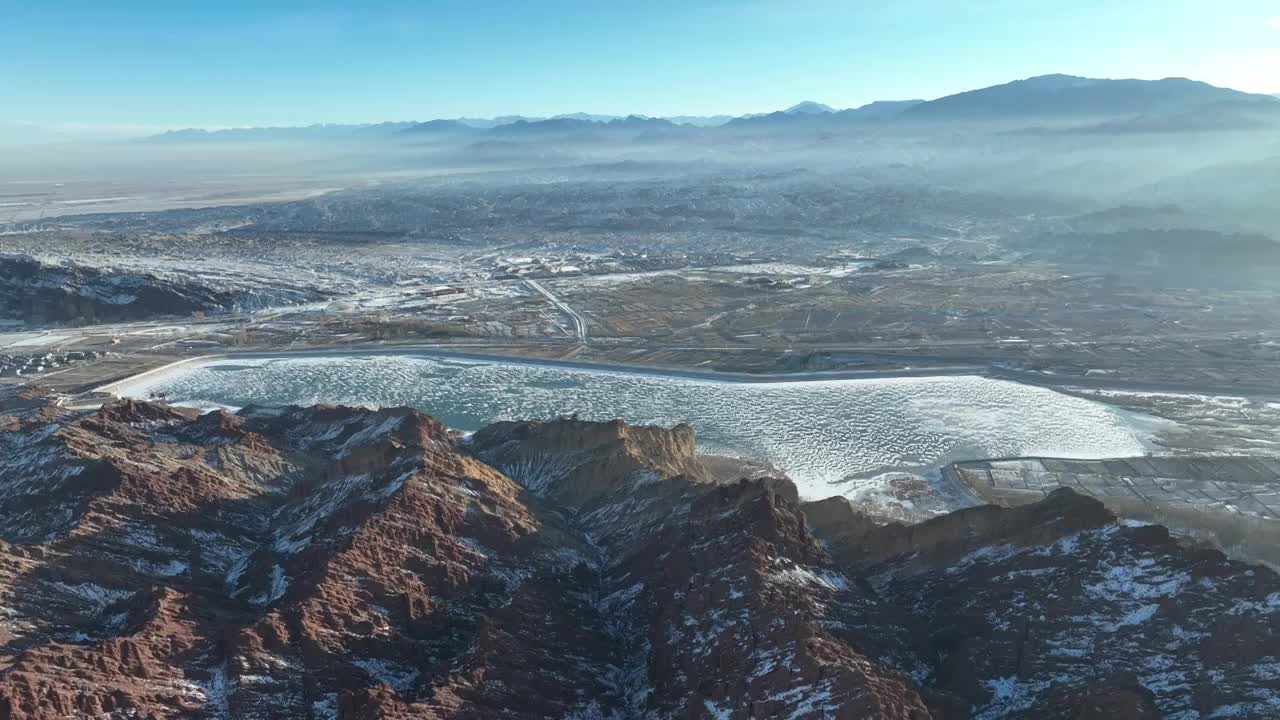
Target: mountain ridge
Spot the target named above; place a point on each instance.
(1040, 96)
(1073, 96)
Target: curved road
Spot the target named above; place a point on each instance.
(579, 324)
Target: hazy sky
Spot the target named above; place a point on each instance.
(140, 64)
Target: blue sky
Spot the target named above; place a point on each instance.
(142, 64)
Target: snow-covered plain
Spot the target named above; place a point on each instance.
(777, 268)
(830, 436)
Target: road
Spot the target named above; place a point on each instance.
(579, 324)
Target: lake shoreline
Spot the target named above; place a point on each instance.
(433, 352)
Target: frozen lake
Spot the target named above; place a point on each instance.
(830, 436)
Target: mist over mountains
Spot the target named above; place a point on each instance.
(1052, 167)
(1079, 103)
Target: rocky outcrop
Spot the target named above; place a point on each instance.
(575, 462)
(39, 293)
(349, 563)
(944, 540)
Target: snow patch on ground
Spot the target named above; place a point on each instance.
(474, 547)
(170, 568)
(1009, 695)
(326, 708)
(715, 712)
(294, 533)
(989, 554)
(801, 575)
(395, 676)
(1140, 580)
(216, 692)
(621, 597)
(367, 435)
(539, 473)
(96, 595)
(279, 584)
(1269, 605)
(1137, 616)
(806, 701)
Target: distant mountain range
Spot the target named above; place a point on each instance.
(1047, 103)
(811, 115)
(302, 132)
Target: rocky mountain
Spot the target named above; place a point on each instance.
(330, 562)
(38, 292)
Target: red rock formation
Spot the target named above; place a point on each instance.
(347, 563)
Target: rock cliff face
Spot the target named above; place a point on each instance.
(347, 563)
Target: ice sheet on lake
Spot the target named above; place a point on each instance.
(830, 436)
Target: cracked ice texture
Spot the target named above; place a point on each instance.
(830, 436)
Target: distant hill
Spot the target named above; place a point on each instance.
(1067, 95)
(699, 120)
(809, 107)
(503, 125)
(440, 127)
(776, 119)
(569, 125)
(524, 127)
(792, 118)
(640, 122)
(590, 117)
(696, 120)
(486, 123)
(879, 110)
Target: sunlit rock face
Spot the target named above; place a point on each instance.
(331, 562)
(830, 437)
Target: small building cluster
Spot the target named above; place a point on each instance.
(514, 268)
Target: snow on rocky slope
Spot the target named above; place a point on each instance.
(39, 292)
(331, 562)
